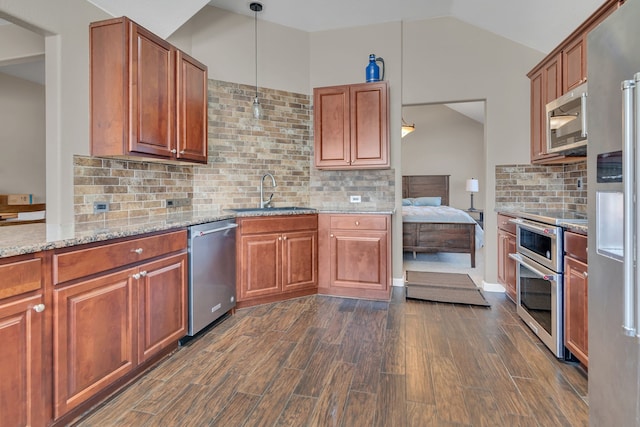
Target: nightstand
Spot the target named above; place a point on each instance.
(478, 215)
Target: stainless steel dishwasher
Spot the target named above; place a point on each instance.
(212, 272)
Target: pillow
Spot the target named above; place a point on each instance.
(407, 202)
(427, 201)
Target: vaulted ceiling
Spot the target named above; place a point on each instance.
(539, 24)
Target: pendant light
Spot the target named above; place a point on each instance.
(256, 108)
(407, 128)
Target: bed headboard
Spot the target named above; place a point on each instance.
(426, 186)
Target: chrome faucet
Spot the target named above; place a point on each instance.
(266, 203)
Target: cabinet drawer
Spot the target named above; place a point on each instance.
(504, 224)
(277, 224)
(575, 246)
(358, 222)
(86, 261)
(20, 277)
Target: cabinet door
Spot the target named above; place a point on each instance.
(576, 298)
(152, 86)
(260, 265)
(502, 257)
(369, 125)
(538, 138)
(191, 109)
(162, 305)
(21, 370)
(299, 260)
(359, 259)
(331, 126)
(93, 322)
(574, 64)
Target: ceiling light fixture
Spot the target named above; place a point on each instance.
(407, 128)
(257, 108)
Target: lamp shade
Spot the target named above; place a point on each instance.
(472, 185)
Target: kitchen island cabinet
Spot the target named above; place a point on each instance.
(24, 371)
(355, 255)
(351, 126)
(576, 296)
(276, 258)
(117, 308)
(148, 99)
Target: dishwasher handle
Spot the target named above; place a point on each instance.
(215, 230)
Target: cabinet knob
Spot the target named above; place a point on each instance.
(357, 222)
(284, 238)
(585, 274)
(143, 273)
(332, 236)
(280, 238)
(136, 276)
(138, 250)
(38, 308)
(174, 151)
(182, 151)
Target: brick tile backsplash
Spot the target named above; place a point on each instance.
(535, 187)
(241, 150)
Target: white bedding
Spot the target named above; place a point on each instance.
(441, 214)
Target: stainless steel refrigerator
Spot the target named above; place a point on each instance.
(613, 108)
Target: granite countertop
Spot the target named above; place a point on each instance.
(576, 228)
(30, 238)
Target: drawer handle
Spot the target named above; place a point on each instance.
(38, 308)
(138, 250)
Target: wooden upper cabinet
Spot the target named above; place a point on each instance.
(191, 113)
(574, 64)
(351, 126)
(148, 99)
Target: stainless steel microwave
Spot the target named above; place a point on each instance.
(567, 123)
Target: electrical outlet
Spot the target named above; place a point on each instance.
(355, 199)
(100, 207)
(579, 184)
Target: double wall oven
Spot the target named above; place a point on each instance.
(540, 259)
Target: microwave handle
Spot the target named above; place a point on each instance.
(583, 114)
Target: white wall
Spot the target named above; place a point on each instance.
(64, 23)
(445, 142)
(224, 41)
(447, 60)
(22, 137)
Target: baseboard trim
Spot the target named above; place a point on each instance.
(492, 287)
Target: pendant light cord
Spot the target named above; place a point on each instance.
(255, 33)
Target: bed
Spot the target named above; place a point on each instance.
(436, 229)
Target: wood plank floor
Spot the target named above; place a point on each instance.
(325, 361)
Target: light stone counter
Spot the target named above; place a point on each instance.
(30, 238)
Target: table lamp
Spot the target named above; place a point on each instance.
(472, 187)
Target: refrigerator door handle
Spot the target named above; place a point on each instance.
(628, 165)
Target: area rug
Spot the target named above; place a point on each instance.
(444, 287)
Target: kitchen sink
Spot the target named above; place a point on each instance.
(275, 209)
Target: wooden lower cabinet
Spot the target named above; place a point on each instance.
(23, 381)
(355, 255)
(110, 326)
(507, 267)
(576, 297)
(277, 258)
(93, 330)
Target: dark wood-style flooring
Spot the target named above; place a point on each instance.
(326, 361)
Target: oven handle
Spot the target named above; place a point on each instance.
(531, 226)
(521, 260)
